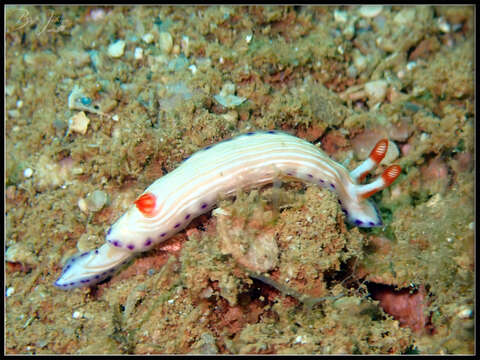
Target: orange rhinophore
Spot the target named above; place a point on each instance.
(373, 160)
(379, 151)
(383, 181)
(390, 174)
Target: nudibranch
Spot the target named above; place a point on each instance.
(249, 160)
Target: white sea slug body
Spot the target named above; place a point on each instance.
(253, 159)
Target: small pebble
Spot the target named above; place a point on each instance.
(14, 113)
(185, 44)
(76, 315)
(411, 65)
(370, 11)
(349, 30)
(147, 38)
(206, 293)
(82, 204)
(352, 71)
(10, 89)
(193, 69)
(228, 89)
(96, 200)
(79, 123)
(77, 170)
(405, 16)
(424, 137)
(434, 200)
(9, 291)
(176, 49)
(443, 25)
(392, 153)
(376, 90)
(138, 54)
(11, 192)
(340, 16)
(20, 253)
(27, 173)
(229, 101)
(165, 42)
(465, 313)
(115, 117)
(359, 61)
(97, 14)
(116, 49)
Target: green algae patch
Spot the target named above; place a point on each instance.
(436, 254)
(346, 326)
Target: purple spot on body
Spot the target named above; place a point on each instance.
(177, 225)
(371, 223)
(116, 243)
(332, 186)
(322, 181)
(250, 133)
(358, 222)
(204, 205)
(72, 283)
(310, 176)
(345, 211)
(97, 276)
(148, 242)
(208, 147)
(85, 253)
(163, 234)
(130, 246)
(109, 231)
(96, 251)
(289, 174)
(84, 281)
(187, 217)
(271, 131)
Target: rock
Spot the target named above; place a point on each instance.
(376, 90)
(116, 49)
(79, 123)
(165, 42)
